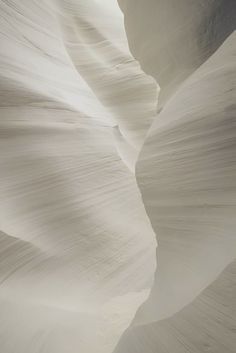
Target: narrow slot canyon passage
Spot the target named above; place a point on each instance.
(117, 176)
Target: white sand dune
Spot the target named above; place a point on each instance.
(78, 229)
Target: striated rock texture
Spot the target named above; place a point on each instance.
(186, 172)
(96, 167)
(77, 252)
(206, 325)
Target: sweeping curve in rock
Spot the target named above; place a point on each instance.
(208, 324)
(77, 249)
(171, 39)
(186, 173)
(186, 168)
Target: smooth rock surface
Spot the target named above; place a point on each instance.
(77, 249)
(96, 167)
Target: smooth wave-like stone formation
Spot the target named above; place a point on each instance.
(187, 175)
(77, 249)
(171, 39)
(206, 325)
(77, 240)
(186, 168)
